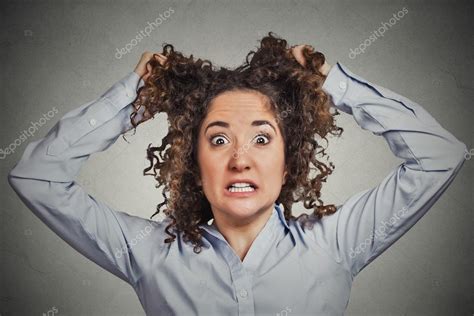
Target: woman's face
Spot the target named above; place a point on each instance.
(240, 142)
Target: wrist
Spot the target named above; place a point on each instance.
(138, 72)
(324, 69)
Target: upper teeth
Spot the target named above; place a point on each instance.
(241, 185)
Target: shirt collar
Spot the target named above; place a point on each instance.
(277, 215)
(281, 215)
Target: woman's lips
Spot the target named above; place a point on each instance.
(240, 194)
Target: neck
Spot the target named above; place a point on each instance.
(241, 234)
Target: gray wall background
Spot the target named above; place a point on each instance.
(61, 54)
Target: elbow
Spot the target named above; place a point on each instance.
(462, 152)
(30, 191)
(17, 185)
(443, 157)
(14, 182)
(459, 155)
(10, 180)
(22, 186)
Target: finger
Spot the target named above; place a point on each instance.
(161, 58)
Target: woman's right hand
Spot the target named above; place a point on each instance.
(297, 52)
(143, 67)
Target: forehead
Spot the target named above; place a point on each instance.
(239, 103)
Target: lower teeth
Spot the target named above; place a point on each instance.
(246, 189)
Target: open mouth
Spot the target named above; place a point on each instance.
(241, 188)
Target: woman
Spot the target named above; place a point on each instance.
(240, 150)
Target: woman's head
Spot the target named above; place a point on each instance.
(240, 142)
(264, 117)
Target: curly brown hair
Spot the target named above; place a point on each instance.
(183, 88)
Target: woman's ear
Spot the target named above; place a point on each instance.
(284, 176)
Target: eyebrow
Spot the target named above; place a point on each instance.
(226, 125)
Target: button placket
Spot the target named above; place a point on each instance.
(242, 284)
(243, 293)
(342, 85)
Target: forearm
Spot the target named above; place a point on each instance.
(90, 128)
(410, 131)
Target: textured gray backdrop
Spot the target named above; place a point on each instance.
(60, 55)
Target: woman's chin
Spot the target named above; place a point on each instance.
(242, 209)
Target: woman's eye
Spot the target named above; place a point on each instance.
(261, 139)
(262, 136)
(219, 140)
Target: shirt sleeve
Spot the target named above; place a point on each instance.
(44, 179)
(368, 222)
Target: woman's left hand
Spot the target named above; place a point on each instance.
(297, 51)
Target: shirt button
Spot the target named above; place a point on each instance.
(342, 85)
(243, 293)
(129, 93)
(92, 122)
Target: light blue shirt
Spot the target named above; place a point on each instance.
(288, 270)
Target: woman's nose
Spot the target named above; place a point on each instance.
(240, 157)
